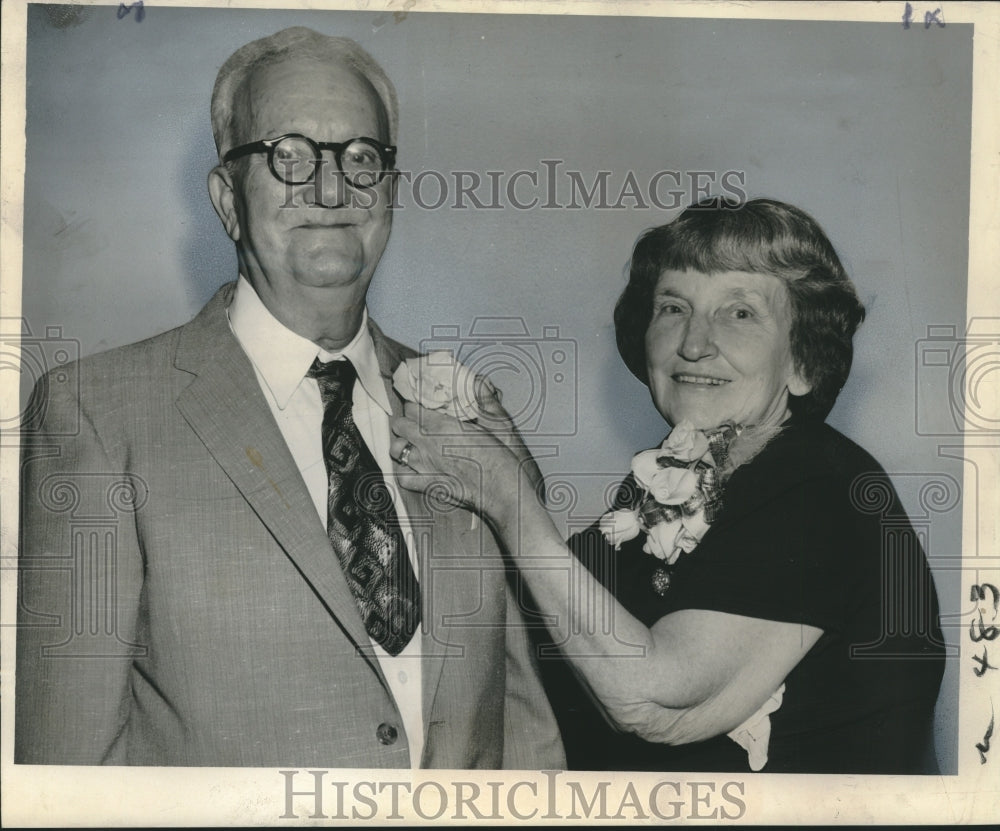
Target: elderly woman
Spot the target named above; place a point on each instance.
(753, 609)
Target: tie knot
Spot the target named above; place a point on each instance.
(335, 378)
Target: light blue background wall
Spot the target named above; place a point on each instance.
(866, 126)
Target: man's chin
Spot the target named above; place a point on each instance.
(328, 271)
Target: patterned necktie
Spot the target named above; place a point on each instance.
(362, 523)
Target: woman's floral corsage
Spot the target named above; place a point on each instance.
(439, 382)
(681, 494)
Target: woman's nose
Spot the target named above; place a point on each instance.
(699, 339)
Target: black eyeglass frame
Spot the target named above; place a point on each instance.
(386, 151)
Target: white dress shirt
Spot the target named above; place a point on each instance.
(281, 359)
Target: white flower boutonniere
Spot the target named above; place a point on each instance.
(439, 382)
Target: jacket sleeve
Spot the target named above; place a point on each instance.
(79, 582)
(531, 735)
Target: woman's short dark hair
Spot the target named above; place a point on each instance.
(761, 236)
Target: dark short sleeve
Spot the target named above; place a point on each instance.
(794, 542)
(788, 556)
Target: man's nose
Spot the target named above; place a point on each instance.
(329, 187)
(699, 339)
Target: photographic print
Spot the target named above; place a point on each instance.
(542, 413)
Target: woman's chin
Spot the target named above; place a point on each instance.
(704, 423)
(708, 417)
(696, 417)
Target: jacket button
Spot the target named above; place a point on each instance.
(386, 733)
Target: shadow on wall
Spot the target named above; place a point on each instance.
(209, 256)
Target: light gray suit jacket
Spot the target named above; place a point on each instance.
(180, 603)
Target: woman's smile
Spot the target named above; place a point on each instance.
(698, 380)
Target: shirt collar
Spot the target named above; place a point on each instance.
(282, 357)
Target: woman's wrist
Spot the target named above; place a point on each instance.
(501, 495)
(518, 516)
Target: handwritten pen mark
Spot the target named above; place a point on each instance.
(984, 664)
(124, 10)
(253, 454)
(984, 746)
(933, 17)
(986, 633)
(979, 593)
(929, 17)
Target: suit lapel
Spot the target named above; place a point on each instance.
(226, 408)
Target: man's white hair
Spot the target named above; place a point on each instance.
(296, 42)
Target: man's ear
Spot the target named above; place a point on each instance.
(220, 189)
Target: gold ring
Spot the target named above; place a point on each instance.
(404, 454)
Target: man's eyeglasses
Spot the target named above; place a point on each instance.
(295, 159)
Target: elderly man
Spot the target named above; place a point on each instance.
(216, 567)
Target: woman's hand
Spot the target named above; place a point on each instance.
(496, 420)
(463, 462)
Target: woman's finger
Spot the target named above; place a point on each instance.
(492, 414)
(404, 426)
(401, 449)
(489, 398)
(398, 424)
(420, 467)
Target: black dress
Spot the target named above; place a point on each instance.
(812, 532)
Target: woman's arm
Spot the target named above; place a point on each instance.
(695, 674)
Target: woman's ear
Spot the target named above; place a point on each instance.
(798, 385)
(220, 189)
